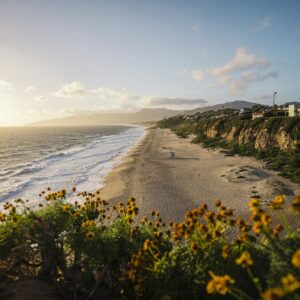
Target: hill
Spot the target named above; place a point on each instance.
(93, 119)
(143, 116)
(238, 104)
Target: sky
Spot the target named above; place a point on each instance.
(59, 58)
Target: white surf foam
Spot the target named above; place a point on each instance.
(85, 167)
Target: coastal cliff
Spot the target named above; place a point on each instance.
(259, 134)
(275, 139)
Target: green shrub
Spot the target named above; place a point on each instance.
(93, 251)
(287, 162)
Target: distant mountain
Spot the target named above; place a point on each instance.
(143, 116)
(92, 119)
(238, 104)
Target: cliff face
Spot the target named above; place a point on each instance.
(275, 139)
(263, 135)
(280, 139)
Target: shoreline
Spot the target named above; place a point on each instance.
(83, 162)
(196, 175)
(114, 186)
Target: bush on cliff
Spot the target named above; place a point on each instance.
(286, 162)
(89, 250)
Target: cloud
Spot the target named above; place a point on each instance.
(104, 98)
(108, 93)
(239, 72)
(77, 89)
(6, 86)
(242, 60)
(30, 89)
(246, 78)
(71, 90)
(196, 27)
(197, 75)
(265, 23)
(41, 99)
(161, 101)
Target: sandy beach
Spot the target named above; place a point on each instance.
(194, 176)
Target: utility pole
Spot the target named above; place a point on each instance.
(274, 95)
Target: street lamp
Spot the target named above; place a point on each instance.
(274, 95)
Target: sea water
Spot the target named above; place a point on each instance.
(35, 158)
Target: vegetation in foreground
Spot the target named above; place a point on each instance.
(88, 250)
(237, 135)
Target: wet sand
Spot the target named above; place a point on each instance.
(194, 176)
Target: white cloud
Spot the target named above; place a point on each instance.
(77, 89)
(242, 60)
(6, 86)
(41, 98)
(71, 90)
(108, 93)
(246, 78)
(265, 23)
(197, 75)
(196, 27)
(238, 73)
(30, 89)
(104, 98)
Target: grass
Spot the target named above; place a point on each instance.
(89, 250)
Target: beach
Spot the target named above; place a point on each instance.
(194, 176)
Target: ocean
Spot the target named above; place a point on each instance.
(35, 158)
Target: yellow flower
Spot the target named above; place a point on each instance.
(76, 214)
(88, 223)
(290, 283)
(66, 207)
(166, 297)
(2, 217)
(90, 235)
(219, 284)
(218, 203)
(273, 294)
(144, 220)
(147, 245)
(296, 259)
(159, 234)
(253, 204)
(244, 260)
(266, 219)
(225, 252)
(257, 227)
(278, 202)
(194, 246)
(209, 217)
(296, 204)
